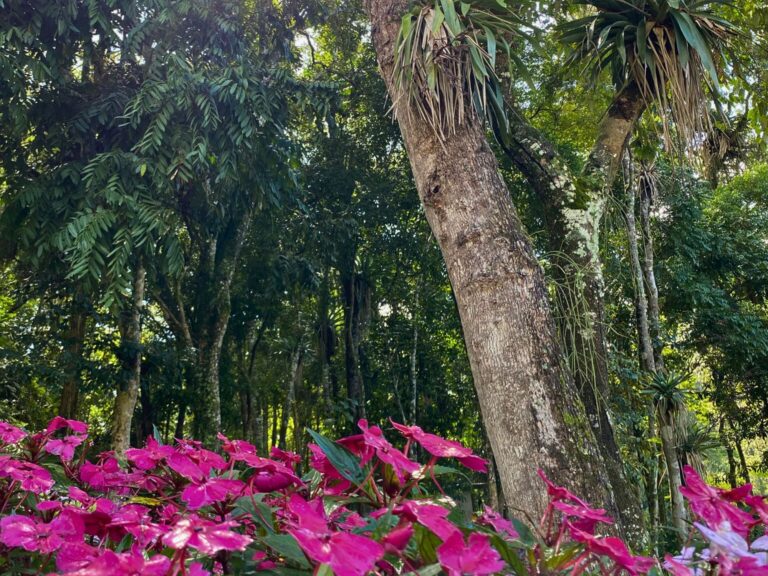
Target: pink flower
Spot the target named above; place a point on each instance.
(196, 569)
(64, 447)
(108, 475)
(75, 425)
(150, 456)
(235, 448)
(477, 558)
(25, 532)
(269, 475)
(183, 465)
(111, 563)
(135, 520)
(499, 523)
(206, 536)
(285, 456)
(430, 516)
(262, 562)
(9, 434)
(557, 493)
(74, 556)
(387, 453)
(31, 477)
(708, 503)
(614, 549)
(582, 517)
(346, 554)
(442, 448)
(675, 567)
(209, 491)
(724, 540)
(398, 539)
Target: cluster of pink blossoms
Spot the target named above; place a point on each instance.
(364, 506)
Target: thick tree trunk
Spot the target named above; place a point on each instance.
(530, 406)
(356, 298)
(73, 357)
(130, 334)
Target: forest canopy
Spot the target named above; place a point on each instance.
(536, 228)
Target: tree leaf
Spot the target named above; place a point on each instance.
(346, 463)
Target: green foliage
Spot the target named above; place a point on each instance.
(446, 62)
(668, 49)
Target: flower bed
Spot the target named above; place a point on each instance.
(365, 506)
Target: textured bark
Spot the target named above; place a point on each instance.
(573, 208)
(73, 352)
(128, 393)
(529, 404)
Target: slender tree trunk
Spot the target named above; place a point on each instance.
(529, 404)
(645, 345)
(130, 334)
(646, 200)
(414, 365)
(726, 442)
(742, 460)
(73, 357)
(290, 396)
(352, 295)
(674, 476)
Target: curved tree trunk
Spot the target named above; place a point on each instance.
(573, 208)
(130, 334)
(529, 404)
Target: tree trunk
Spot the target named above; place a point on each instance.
(354, 294)
(573, 208)
(130, 382)
(290, 396)
(726, 442)
(742, 460)
(674, 475)
(646, 201)
(530, 405)
(644, 344)
(73, 357)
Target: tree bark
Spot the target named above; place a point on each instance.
(674, 475)
(644, 344)
(73, 357)
(130, 335)
(573, 207)
(646, 201)
(530, 405)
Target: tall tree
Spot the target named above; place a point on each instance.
(528, 401)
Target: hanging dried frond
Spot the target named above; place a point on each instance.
(445, 63)
(671, 49)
